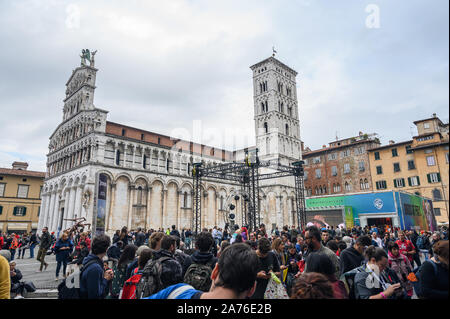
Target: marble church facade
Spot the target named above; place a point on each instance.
(149, 179)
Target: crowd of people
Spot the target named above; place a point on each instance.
(235, 263)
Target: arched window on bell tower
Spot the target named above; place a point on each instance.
(287, 129)
(266, 128)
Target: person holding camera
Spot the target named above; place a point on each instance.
(375, 280)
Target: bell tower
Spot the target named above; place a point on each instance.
(277, 125)
(81, 86)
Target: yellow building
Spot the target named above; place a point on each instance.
(419, 166)
(20, 198)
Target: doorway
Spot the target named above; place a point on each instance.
(380, 223)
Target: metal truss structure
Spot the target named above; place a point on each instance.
(247, 174)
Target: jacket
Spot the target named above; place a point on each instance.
(46, 241)
(5, 278)
(335, 259)
(171, 269)
(64, 254)
(350, 259)
(92, 283)
(402, 268)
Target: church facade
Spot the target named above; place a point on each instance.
(147, 177)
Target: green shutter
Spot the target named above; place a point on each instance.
(418, 181)
(403, 182)
(24, 211)
(395, 183)
(429, 178)
(15, 211)
(439, 177)
(1, 209)
(409, 181)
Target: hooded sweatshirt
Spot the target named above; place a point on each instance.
(93, 284)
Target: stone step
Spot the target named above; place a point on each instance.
(42, 294)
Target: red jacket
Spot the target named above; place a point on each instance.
(404, 247)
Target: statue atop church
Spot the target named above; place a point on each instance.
(86, 55)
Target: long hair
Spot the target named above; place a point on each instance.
(128, 254)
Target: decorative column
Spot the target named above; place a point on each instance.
(134, 154)
(279, 213)
(46, 222)
(147, 211)
(69, 211)
(163, 206)
(131, 191)
(42, 216)
(112, 205)
(56, 213)
(67, 195)
(178, 209)
(77, 204)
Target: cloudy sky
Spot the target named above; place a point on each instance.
(371, 66)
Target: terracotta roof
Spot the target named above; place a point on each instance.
(332, 148)
(21, 172)
(389, 145)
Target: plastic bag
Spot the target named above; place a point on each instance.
(275, 289)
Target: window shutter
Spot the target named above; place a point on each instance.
(409, 181)
(403, 182)
(395, 183)
(439, 177)
(418, 181)
(429, 178)
(24, 211)
(15, 211)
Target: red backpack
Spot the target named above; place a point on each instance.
(129, 288)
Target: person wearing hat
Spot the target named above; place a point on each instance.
(5, 278)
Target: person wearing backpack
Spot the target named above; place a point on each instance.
(369, 282)
(233, 277)
(433, 274)
(94, 280)
(120, 270)
(130, 286)
(197, 268)
(162, 271)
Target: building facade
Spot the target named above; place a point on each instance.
(20, 198)
(419, 166)
(147, 176)
(341, 168)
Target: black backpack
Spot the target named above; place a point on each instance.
(150, 282)
(199, 276)
(74, 280)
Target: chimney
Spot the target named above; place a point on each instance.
(434, 115)
(324, 146)
(391, 142)
(20, 165)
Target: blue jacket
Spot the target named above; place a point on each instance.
(93, 284)
(62, 255)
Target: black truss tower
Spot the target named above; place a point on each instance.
(247, 175)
